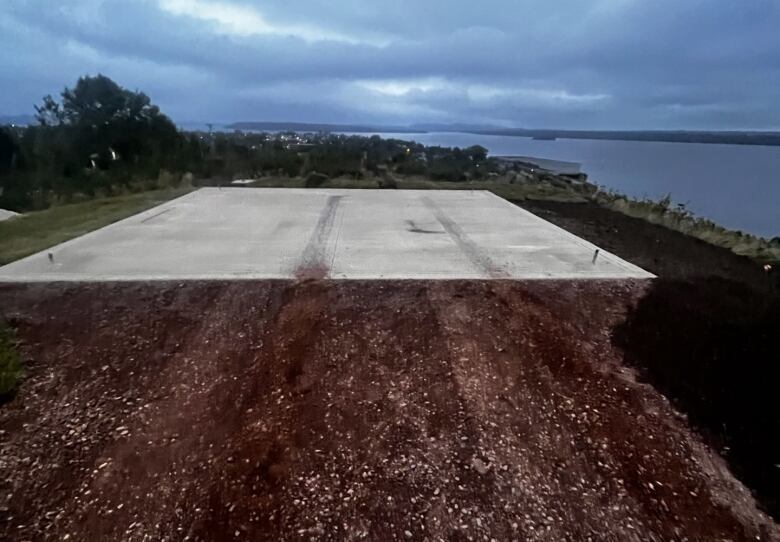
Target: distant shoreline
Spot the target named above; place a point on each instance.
(731, 137)
(657, 136)
(317, 127)
(721, 138)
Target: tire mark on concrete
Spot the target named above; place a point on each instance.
(336, 241)
(473, 252)
(147, 219)
(416, 229)
(314, 262)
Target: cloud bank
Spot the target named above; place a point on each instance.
(699, 64)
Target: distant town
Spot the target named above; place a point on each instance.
(671, 136)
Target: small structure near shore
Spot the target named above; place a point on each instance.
(571, 170)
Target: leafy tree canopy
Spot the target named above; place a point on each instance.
(96, 101)
(102, 118)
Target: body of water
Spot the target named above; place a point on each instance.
(737, 186)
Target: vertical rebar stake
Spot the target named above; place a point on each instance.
(595, 255)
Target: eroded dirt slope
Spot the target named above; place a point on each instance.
(265, 410)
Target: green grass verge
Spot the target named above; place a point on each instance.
(36, 231)
(10, 362)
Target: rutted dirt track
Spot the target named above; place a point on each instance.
(268, 410)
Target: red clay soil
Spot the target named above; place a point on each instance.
(274, 410)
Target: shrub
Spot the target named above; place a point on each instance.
(315, 180)
(166, 179)
(387, 182)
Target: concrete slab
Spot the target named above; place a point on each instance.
(234, 233)
(5, 214)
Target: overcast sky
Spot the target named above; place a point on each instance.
(709, 64)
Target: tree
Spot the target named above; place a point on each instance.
(98, 100)
(8, 150)
(13, 189)
(97, 136)
(49, 112)
(105, 123)
(477, 153)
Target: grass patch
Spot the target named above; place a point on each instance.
(513, 192)
(39, 230)
(298, 182)
(10, 362)
(277, 182)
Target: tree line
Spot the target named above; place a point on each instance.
(98, 138)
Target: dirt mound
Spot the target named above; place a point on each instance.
(711, 345)
(342, 410)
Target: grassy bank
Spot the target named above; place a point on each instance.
(36, 231)
(681, 220)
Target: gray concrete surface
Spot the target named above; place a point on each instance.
(5, 214)
(351, 234)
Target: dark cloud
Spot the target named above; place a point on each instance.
(601, 63)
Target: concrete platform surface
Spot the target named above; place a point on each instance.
(234, 233)
(5, 214)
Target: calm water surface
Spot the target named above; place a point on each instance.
(737, 186)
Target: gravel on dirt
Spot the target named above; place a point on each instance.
(378, 410)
